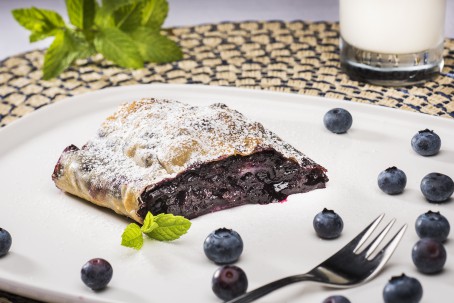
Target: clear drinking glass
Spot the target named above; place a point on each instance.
(392, 42)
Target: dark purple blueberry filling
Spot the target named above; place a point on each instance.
(261, 178)
(58, 169)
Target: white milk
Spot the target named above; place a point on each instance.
(393, 26)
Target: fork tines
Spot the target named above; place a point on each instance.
(388, 249)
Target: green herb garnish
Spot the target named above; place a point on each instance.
(163, 227)
(132, 236)
(127, 32)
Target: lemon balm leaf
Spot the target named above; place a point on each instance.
(132, 236)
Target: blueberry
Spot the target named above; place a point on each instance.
(336, 299)
(429, 256)
(432, 225)
(426, 143)
(402, 289)
(392, 181)
(437, 187)
(328, 224)
(5, 242)
(223, 246)
(96, 273)
(338, 120)
(229, 282)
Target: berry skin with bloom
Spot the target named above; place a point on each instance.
(336, 299)
(437, 187)
(426, 143)
(392, 181)
(432, 225)
(429, 256)
(338, 120)
(5, 242)
(223, 246)
(96, 273)
(402, 289)
(229, 282)
(328, 224)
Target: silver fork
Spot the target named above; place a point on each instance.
(346, 268)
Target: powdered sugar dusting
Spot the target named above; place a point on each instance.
(150, 140)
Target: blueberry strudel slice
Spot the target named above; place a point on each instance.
(166, 156)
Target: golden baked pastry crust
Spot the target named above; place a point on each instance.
(151, 140)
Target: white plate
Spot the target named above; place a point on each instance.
(54, 234)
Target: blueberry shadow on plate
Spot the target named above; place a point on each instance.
(366, 135)
(446, 156)
(120, 294)
(19, 264)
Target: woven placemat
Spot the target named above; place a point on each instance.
(299, 57)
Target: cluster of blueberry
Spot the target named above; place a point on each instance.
(224, 247)
(429, 253)
(435, 187)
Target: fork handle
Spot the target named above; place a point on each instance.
(270, 287)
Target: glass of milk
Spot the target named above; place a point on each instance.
(392, 42)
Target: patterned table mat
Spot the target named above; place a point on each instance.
(298, 57)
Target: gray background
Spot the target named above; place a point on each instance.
(14, 39)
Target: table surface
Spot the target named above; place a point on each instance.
(185, 13)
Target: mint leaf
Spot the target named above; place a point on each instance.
(126, 32)
(105, 15)
(111, 6)
(41, 22)
(154, 13)
(155, 47)
(170, 227)
(163, 227)
(148, 223)
(118, 47)
(132, 236)
(103, 18)
(81, 13)
(128, 17)
(65, 48)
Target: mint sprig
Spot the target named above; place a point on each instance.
(132, 236)
(169, 227)
(126, 32)
(163, 227)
